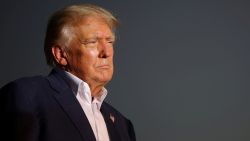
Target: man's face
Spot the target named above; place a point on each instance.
(90, 56)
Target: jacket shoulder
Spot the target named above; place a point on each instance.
(23, 86)
(25, 81)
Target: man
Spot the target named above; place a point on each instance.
(68, 104)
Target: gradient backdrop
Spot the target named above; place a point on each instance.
(182, 66)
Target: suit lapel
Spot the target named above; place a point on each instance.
(71, 106)
(110, 121)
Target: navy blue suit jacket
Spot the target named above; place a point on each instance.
(45, 109)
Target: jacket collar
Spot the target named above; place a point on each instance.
(69, 103)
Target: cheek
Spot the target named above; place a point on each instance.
(93, 53)
(89, 57)
(86, 54)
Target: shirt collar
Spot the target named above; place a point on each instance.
(80, 87)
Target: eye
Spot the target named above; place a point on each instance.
(111, 40)
(92, 41)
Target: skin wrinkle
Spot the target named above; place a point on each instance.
(91, 58)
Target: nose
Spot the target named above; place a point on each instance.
(105, 49)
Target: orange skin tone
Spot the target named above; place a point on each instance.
(89, 57)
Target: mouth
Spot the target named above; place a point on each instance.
(103, 66)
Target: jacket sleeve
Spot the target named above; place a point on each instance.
(19, 120)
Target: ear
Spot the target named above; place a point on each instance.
(59, 55)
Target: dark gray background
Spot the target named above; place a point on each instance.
(182, 66)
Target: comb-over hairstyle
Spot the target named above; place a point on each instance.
(61, 25)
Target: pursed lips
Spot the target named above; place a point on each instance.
(105, 66)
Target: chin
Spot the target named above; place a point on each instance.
(104, 80)
(103, 77)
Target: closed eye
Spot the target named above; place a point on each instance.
(89, 41)
(110, 40)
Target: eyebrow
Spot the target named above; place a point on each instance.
(95, 37)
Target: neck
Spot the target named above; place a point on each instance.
(95, 90)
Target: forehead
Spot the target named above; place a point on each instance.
(94, 25)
